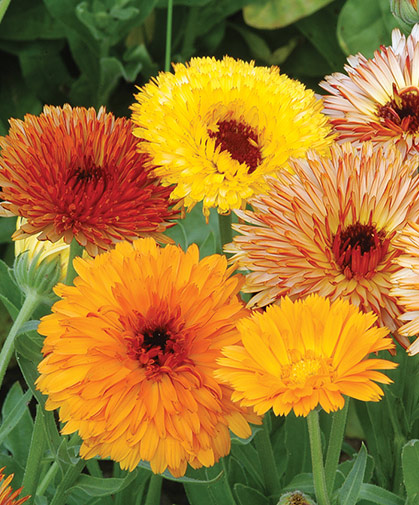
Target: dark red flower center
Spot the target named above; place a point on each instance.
(359, 248)
(86, 173)
(240, 140)
(402, 109)
(157, 345)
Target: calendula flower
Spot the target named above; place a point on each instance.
(330, 229)
(74, 173)
(306, 353)
(7, 495)
(130, 353)
(406, 282)
(215, 128)
(378, 99)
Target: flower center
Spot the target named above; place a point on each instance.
(156, 344)
(85, 173)
(359, 248)
(402, 109)
(240, 140)
(305, 366)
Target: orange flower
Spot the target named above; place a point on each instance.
(298, 355)
(7, 495)
(379, 98)
(74, 173)
(330, 230)
(130, 353)
(406, 283)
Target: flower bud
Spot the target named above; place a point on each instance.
(406, 10)
(34, 275)
(43, 249)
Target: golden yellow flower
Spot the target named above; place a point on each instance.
(214, 128)
(130, 353)
(330, 228)
(406, 282)
(379, 98)
(305, 353)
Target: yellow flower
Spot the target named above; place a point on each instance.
(130, 353)
(305, 353)
(406, 283)
(330, 229)
(379, 98)
(215, 128)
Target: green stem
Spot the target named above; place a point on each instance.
(75, 250)
(49, 476)
(168, 35)
(317, 458)
(267, 461)
(32, 300)
(36, 452)
(154, 490)
(334, 448)
(69, 478)
(4, 4)
(226, 232)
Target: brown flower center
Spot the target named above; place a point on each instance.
(359, 248)
(240, 140)
(402, 109)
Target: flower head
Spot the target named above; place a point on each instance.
(406, 282)
(74, 173)
(130, 353)
(330, 229)
(214, 128)
(379, 98)
(301, 354)
(7, 495)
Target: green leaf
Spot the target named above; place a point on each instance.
(44, 69)
(379, 495)
(410, 465)
(96, 486)
(365, 33)
(17, 424)
(29, 20)
(302, 482)
(7, 228)
(317, 29)
(186, 479)
(213, 489)
(349, 492)
(194, 230)
(279, 13)
(248, 495)
(260, 49)
(10, 293)
(297, 444)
